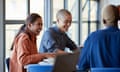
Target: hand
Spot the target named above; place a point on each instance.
(49, 55)
(58, 51)
(81, 46)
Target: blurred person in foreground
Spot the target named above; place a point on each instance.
(102, 47)
(119, 16)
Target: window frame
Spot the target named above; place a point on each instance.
(48, 10)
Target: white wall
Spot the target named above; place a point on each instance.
(115, 2)
(1, 37)
(106, 2)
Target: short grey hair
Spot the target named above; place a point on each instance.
(62, 13)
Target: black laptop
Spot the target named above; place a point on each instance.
(66, 62)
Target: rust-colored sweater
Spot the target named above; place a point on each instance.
(24, 52)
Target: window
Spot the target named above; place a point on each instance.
(114, 2)
(73, 8)
(16, 12)
(93, 27)
(84, 32)
(57, 5)
(90, 19)
(36, 6)
(10, 32)
(16, 9)
(73, 31)
(93, 10)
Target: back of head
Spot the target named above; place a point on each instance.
(110, 15)
(119, 11)
(61, 13)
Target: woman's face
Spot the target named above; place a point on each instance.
(36, 26)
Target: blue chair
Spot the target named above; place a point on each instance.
(39, 68)
(105, 69)
(7, 61)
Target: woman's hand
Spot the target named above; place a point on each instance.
(49, 55)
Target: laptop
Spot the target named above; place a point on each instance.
(66, 62)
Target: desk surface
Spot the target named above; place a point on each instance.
(36, 65)
(39, 68)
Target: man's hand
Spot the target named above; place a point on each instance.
(58, 51)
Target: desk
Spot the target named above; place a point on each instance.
(38, 68)
(63, 63)
(42, 68)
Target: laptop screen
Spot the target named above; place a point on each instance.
(66, 62)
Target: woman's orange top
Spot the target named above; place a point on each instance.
(24, 52)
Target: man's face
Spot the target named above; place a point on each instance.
(119, 23)
(64, 22)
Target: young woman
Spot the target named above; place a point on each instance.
(24, 48)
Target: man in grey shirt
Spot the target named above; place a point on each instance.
(55, 39)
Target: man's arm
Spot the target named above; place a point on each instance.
(49, 44)
(71, 44)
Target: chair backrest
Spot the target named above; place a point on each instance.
(39, 68)
(105, 69)
(7, 60)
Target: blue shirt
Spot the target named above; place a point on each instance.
(54, 39)
(101, 49)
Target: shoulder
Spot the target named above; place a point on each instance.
(50, 31)
(48, 34)
(23, 36)
(97, 35)
(105, 32)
